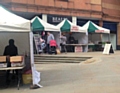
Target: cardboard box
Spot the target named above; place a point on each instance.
(17, 61)
(3, 61)
(27, 78)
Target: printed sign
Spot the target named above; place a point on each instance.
(108, 49)
(37, 42)
(74, 28)
(78, 49)
(56, 19)
(99, 31)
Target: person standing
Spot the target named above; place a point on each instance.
(10, 50)
(71, 40)
(44, 36)
(49, 38)
(63, 42)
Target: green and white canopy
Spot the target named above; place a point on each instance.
(93, 28)
(67, 26)
(11, 22)
(40, 25)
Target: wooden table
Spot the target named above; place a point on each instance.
(78, 47)
(19, 72)
(76, 44)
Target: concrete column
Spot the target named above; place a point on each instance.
(100, 23)
(118, 36)
(74, 20)
(101, 36)
(44, 17)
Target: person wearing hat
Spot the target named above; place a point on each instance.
(71, 40)
(63, 42)
(10, 50)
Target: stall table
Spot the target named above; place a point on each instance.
(96, 47)
(14, 68)
(78, 47)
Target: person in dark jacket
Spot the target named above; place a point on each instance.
(71, 40)
(44, 37)
(10, 50)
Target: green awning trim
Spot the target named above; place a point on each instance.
(91, 28)
(66, 27)
(37, 26)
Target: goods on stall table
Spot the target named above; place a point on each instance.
(16, 61)
(3, 61)
(78, 49)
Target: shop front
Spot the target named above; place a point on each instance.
(56, 19)
(113, 33)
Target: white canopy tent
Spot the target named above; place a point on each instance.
(12, 22)
(18, 28)
(91, 27)
(40, 25)
(67, 26)
(79, 33)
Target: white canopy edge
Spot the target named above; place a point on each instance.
(81, 29)
(11, 22)
(100, 28)
(48, 27)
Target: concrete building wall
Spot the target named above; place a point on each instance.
(83, 8)
(102, 10)
(73, 7)
(111, 10)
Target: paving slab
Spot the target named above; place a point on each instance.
(101, 76)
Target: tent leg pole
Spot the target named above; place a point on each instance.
(109, 38)
(34, 72)
(31, 53)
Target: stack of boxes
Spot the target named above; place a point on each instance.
(3, 62)
(17, 61)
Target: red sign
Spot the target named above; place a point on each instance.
(74, 28)
(99, 31)
(78, 49)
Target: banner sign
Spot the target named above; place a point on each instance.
(78, 49)
(56, 19)
(37, 42)
(74, 28)
(108, 49)
(99, 31)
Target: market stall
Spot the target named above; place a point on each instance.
(17, 28)
(78, 33)
(38, 25)
(95, 36)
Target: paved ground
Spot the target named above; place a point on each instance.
(100, 76)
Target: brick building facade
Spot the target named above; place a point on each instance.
(105, 12)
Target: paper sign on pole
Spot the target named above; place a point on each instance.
(108, 49)
(37, 42)
(74, 29)
(78, 49)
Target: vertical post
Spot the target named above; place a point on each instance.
(35, 74)
(109, 38)
(44, 17)
(118, 36)
(74, 20)
(31, 54)
(101, 25)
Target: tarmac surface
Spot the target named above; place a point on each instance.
(101, 74)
